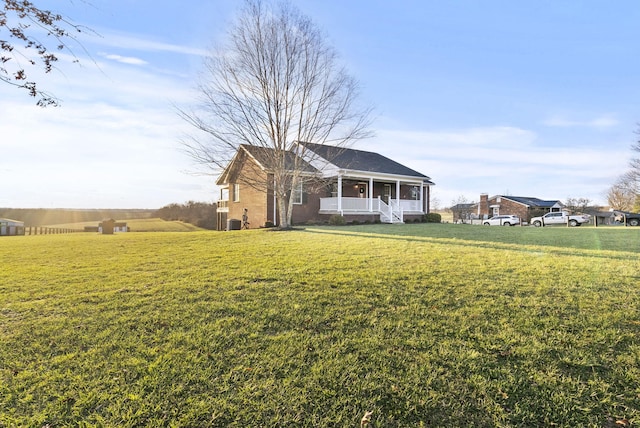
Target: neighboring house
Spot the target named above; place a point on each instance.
(522, 206)
(10, 227)
(464, 212)
(360, 185)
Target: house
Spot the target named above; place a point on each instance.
(109, 226)
(523, 206)
(357, 184)
(10, 227)
(464, 212)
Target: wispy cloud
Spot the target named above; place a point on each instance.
(124, 59)
(141, 43)
(601, 122)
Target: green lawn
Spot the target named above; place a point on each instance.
(423, 324)
(138, 225)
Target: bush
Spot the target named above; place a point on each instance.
(336, 220)
(433, 218)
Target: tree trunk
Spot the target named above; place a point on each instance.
(283, 212)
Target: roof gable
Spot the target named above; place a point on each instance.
(262, 156)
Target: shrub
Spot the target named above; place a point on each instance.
(433, 218)
(336, 220)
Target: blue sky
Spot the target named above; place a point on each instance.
(528, 98)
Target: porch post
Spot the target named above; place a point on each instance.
(275, 204)
(398, 192)
(370, 194)
(340, 193)
(422, 198)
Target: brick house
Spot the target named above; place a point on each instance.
(522, 206)
(356, 184)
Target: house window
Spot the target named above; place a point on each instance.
(496, 211)
(224, 194)
(236, 193)
(297, 194)
(415, 193)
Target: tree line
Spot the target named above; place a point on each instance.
(201, 214)
(53, 216)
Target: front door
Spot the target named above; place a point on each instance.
(386, 196)
(362, 190)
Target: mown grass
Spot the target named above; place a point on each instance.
(425, 325)
(140, 225)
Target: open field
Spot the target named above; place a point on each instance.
(423, 324)
(139, 225)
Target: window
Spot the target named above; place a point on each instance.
(236, 193)
(415, 192)
(297, 194)
(224, 194)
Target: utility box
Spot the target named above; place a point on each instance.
(234, 224)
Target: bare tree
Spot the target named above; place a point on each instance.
(276, 82)
(462, 209)
(577, 205)
(624, 194)
(22, 24)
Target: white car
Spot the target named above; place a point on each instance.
(502, 220)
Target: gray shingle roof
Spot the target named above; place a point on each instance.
(360, 160)
(532, 202)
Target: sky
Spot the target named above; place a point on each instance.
(528, 98)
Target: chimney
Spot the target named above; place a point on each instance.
(483, 206)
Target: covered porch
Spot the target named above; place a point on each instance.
(390, 198)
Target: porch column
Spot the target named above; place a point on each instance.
(275, 204)
(422, 207)
(370, 194)
(398, 192)
(340, 193)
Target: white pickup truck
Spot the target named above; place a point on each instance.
(561, 217)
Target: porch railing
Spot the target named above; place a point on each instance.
(348, 204)
(393, 212)
(362, 204)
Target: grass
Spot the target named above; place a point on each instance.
(140, 225)
(425, 325)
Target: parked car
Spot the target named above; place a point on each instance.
(502, 220)
(560, 217)
(630, 219)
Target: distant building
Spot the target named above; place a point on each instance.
(524, 207)
(118, 226)
(10, 227)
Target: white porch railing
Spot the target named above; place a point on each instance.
(390, 213)
(362, 204)
(410, 205)
(346, 204)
